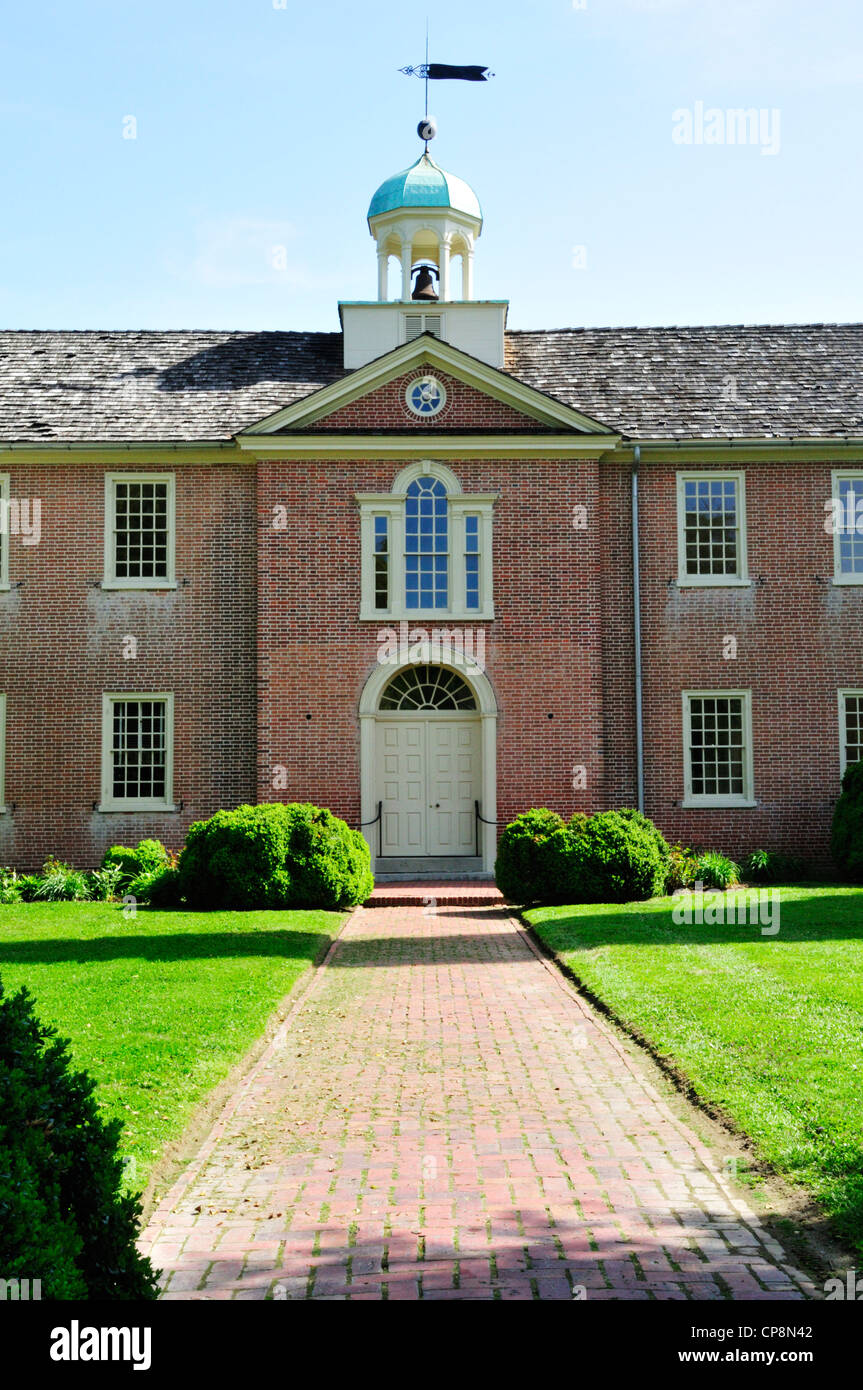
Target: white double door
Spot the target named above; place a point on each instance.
(428, 778)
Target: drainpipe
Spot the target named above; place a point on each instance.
(636, 625)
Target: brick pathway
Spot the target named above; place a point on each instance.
(441, 1117)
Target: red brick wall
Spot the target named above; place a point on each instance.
(543, 654)
(281, 608)
(799, 638)
(61, 645)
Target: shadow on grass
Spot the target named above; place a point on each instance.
(287, 945)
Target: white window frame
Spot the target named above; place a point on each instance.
(843, 725)
(4, 536)
(110, 580)
(712, 581)
(3, 806)
(839, 475)
(747, 798)
(111, 803)
(460, 505)
(423, 314)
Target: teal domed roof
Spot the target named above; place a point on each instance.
(425, 185)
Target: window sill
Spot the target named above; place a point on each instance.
(142, 587)
(150, 808)
(436, 617)
(717, 803)
(711, 582)
(852, 579)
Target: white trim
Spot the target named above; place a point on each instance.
(5, 546)
(747, 799)
(843, 724)
(380, 677)
(836, 475)
(109, 802)
(404, 446)
(392, 505)
(3, 807)
(712, 581)
(109, 579)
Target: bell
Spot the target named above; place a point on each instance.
(424, 284)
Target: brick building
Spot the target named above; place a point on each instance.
(391, 570)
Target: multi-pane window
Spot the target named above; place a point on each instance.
(426, 553)
(137, 753)
(471, 562)
(848, 523)
(4, 530)
(426, 548)
(718, 751)
(711, 528)
(851, 727)
(139, 531)
(382, 562)
(2, 753)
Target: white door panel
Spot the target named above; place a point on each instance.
(428, 779)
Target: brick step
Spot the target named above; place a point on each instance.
(444, 893)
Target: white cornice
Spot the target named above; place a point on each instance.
(422, 445)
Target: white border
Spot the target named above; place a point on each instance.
(109, 579)
(747, 799)
(712, 581)
(843, 727)
(111, 804)
(369, 713)
(835, 476)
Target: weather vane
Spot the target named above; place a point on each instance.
(442, 72)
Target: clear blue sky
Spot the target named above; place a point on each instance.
(262, 127)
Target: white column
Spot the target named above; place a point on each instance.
(406, 270)
(467, 273)
(444, 268)
(383, 267)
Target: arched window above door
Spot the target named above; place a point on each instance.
(426, 548)
(427, 688)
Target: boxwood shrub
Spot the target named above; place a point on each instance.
(846, 843)
(612, 856)
(63, 1218)
(274, 855)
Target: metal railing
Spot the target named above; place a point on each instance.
(379, 823)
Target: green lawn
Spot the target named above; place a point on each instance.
(770, 1028)
(158, 1007)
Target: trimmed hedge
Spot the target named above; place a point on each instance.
(63, 1218)
(274, 856)
(846, 843)
(612, 856)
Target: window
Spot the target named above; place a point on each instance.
(382, 562)
(717, 735)
(137, 752)
(4, 535)
(427, 687)
(416, 324)
(850, 728)
(426, 554)
(711, 529)
(139, 531)
(2, 754)
(848, 527)
(426, 548)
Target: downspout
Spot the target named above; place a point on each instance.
(636, 628)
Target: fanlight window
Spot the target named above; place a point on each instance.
(427, 687)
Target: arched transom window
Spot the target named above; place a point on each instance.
(427, 688)
(426, 548)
